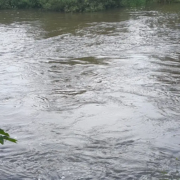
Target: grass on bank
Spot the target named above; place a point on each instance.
(74, 5)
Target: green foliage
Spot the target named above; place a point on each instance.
(77, 5)
(74, 5)
(8, 4)
(131, 3)
(5, 136)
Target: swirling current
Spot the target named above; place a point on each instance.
(91, 96)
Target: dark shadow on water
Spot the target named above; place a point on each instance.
(82, 61)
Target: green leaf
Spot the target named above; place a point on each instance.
(1, 140)
(10, 139)
(5, 136)
(3, 133)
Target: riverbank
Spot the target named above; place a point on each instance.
(75, 5)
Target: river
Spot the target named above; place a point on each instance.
(91, 96)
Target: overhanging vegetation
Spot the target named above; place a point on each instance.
(74, 5)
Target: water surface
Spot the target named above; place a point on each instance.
(91, 96)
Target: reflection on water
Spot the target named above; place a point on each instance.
(91, 96)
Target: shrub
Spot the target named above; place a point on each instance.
(73, 5)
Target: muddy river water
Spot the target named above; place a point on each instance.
(91, 96)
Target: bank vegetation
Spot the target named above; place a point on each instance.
(75, 5)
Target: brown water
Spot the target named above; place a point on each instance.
(91, 96)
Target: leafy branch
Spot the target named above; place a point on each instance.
(5, 136)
